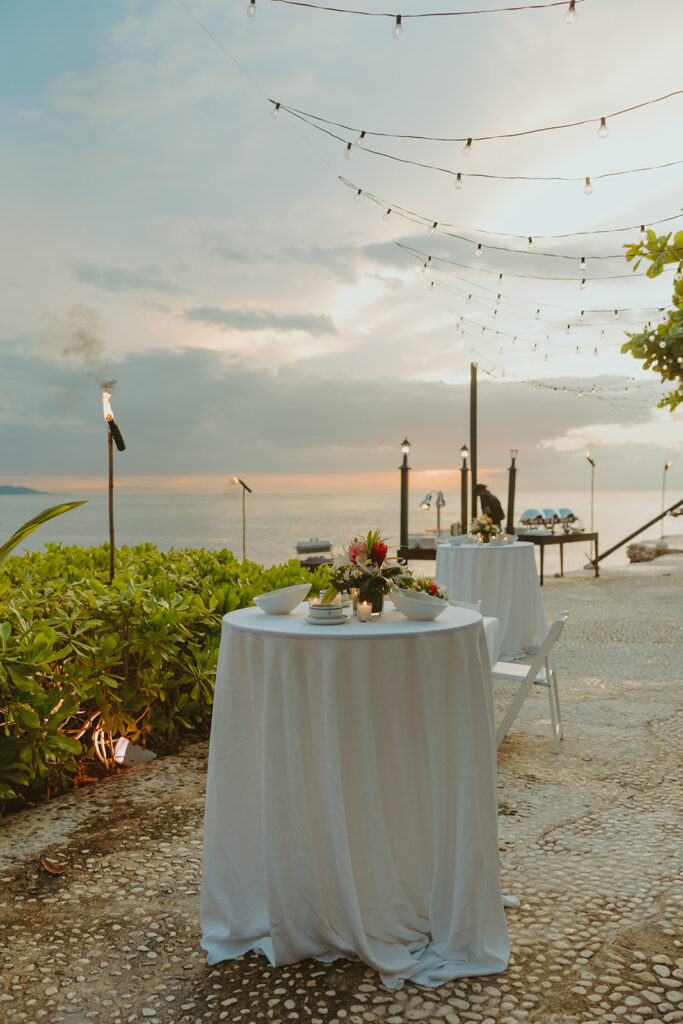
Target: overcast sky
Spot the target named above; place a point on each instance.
(161, 229)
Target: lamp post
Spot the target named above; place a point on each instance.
(245, 488)
(440, 502)
(464, 452)
(114, 437)
(512, 479)
(667, 465)
(405, 470)
(592, 463)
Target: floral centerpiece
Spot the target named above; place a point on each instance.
(365, 565)
(427, 585)
(485, 527)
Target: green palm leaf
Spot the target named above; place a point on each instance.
(33, 524)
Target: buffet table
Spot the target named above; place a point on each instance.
(504, 578)
(351, 796)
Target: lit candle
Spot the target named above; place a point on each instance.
(364, 611)
(354, 597)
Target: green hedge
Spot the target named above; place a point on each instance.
(82, 662)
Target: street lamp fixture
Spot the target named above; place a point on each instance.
(440, 501)
(405, 447)
(245, 488)
(114, 437)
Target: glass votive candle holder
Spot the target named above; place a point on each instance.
(364, 611)
(354, 598)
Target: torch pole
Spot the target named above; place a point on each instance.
(110, 447)
(473, 436)
(512, 476)
(244, 525)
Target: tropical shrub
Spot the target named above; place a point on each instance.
(83, 662)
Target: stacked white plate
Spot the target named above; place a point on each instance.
(325, 614)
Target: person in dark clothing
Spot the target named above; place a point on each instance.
(490, 505)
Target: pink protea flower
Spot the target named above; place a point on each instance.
(357, 550)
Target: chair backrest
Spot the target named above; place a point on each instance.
(551, 638)
(473, 606)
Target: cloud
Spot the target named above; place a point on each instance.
(342, 262)
(261, 319)
(117, 279)
(657, 433)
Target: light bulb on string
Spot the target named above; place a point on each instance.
(251, 9)
(571, 15)
(595, 352)
(545, 358)
(497, 298)
(467, 148)
(479, 252)
(357, 196)
(276, 108)
(432, 230)
(469, 297)
(495, 313)
(588, 188)
(603, 130)
(537, 315)
(398, 30)
(616, 314)
(582, 264)
(387, 215)
(582, 313)
(678, 276)
(582, 283)
(568, 329)
(359, 140)
(500, 279)
(458, 180)
(347, 151)
(531, 245)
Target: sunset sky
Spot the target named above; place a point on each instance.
(162, 230)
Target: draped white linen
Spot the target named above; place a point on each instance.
(505, 579)
(351, 797)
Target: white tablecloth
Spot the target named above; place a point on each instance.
(504, 578)
(351, 796)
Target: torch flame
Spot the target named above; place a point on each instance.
(106, 406)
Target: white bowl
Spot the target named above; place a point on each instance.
(418, 605)
(282, 602)
(427, 542)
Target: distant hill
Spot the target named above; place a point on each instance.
(8, 489)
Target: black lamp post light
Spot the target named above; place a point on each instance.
(512, 479)
(114, 437)
(245, 488)
(464, 452)
(405, 470)
(440, 502)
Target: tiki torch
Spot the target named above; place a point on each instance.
(114, 437)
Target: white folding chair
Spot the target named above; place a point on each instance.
(541, 672)
(473, 606)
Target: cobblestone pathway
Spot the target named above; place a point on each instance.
(590, 842)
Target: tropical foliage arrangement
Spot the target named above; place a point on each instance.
(428, 586)
(83, 662)
(661, 347)
(365, 565)
(484, 526)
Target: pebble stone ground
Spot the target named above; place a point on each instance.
(588, 840)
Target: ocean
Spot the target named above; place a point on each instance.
(275, 522)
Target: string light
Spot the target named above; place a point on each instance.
(531, 245)
(276, 108)
(251, 9)
(427, 265)
(582, 283)
(467, 148)
(479, 251)
(357, 196)
(678, 276)
(398, 31)
(616, 314)
(643, 233)
(537, 315)
(347, 151)
(387, 215)
(571, 15)
(582, 264)
(359, 140)
(603, 130)
(469, 297)
(588, 188)
(568, 329)
(458, 180)
(432, 230)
